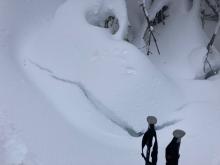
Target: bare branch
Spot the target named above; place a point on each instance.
(149, 30)
(209, 48)
(212, 7)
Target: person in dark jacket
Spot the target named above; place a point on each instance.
(172, 150)
(147, 141)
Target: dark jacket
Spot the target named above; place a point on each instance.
(148, 137)
(172, 152)
(147, 140)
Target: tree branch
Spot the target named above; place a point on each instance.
(209, 48)
(149, 29)
(212, 7)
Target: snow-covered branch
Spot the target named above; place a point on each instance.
(156, 6)
(211, 12)
(151, 9)
(212, 7)
(209, 48)
(149, 35)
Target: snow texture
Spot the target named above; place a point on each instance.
(74, 93)
(113, 71)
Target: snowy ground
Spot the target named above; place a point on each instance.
(73, 93)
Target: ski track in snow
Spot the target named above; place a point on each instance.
(101, 107)
(98, 105)
(40, 67)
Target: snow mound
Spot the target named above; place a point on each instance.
(84, 70)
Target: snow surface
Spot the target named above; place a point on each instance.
(108, 71)
(73, 93)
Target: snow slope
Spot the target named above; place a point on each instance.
(182, 42)
(73, 93)
(32, 131)
(113, 75)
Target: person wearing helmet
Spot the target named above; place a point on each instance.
(147, 140)
(172, 150)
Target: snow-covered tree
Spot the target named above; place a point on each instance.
(149, 18)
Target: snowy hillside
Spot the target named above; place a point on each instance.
(74, 92)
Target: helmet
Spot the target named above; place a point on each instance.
(178, 133)
(151, 120)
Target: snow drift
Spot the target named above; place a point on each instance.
(99, 82)
(69, 50)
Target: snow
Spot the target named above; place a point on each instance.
(110, 72)
(74, 93)
(12, 149)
